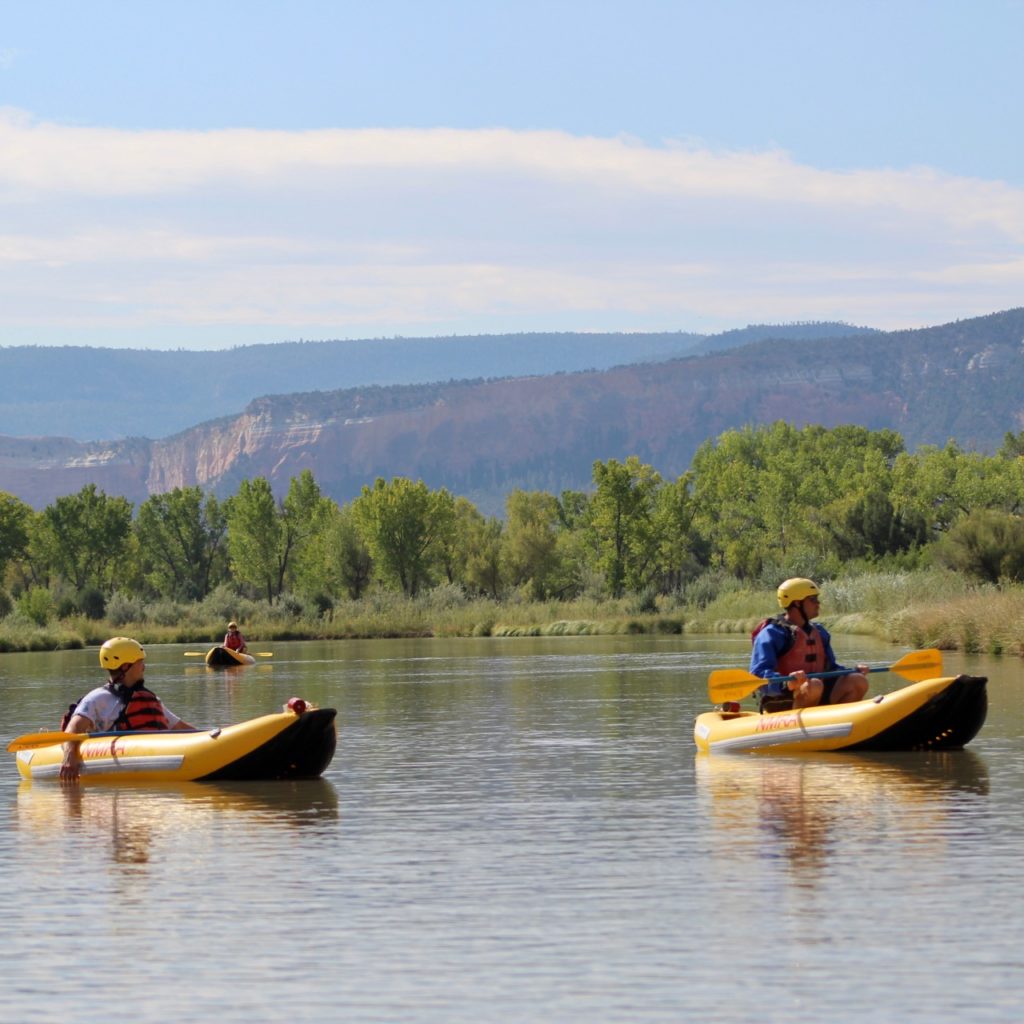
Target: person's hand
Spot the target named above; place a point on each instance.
(798, 680)
(863, 669)
(71, 766)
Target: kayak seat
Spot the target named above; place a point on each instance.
(770, 704)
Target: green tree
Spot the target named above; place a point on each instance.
(986, 544)
(531, 554)
(682, 552)
(348, 563)
(266, 539)
(406, 526)
(481, 541)
(938, 486)
(255, 542)
(771, 493)
(306, 517)
(623, 522)
(15, 517)
(84, 537)
(181, 538)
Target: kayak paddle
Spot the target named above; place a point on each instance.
(255, 654)
(735, 684)
(32, 740)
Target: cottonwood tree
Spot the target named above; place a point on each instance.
(405, 525)
(623, 522)
(530, 543)
(266, 539)
(15, 517)
(181, 540)
(84, 537)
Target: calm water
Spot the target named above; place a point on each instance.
(514, 831)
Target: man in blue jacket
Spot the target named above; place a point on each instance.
(792, 645)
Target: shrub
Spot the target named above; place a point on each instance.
(123, 608)
(91, 603)
(986, 544)
(164, 613)
(36, 604)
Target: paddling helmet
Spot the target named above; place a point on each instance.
(796, 590)
(119, 651)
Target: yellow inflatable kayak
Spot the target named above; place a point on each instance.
(936, 714)
(224, 657)
(296, 743)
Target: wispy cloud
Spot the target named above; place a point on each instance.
(344, 233)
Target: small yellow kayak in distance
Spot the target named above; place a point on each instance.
(936, 714)
(224, 657)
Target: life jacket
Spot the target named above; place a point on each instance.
(801, 649)
(143, 710)
(234, 641)
(140, 709)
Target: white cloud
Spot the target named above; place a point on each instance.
(341, 233)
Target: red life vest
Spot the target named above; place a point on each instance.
(806, 652)
(234, 641)
(143, 711)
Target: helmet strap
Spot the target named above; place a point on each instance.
(799, 605)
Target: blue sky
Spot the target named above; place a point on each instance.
(196, 175)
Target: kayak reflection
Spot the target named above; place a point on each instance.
(802, 808)
(137, 819)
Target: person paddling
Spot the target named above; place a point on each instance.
(123, 703)
(233, 640)
(792, 645)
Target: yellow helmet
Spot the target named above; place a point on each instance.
(796, 590)
(120, 650)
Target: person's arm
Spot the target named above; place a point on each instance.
(174, 722)
(71, 765)
(764, 661)
(831, 665)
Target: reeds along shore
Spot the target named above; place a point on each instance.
(913, 609)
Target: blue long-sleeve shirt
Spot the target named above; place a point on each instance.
(770, 644)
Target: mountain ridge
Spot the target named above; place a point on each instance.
(483, 438)
(71, 391)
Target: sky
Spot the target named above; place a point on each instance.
(203, 174)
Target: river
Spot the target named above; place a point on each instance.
(514, 830)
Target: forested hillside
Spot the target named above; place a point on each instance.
(67, 392)
(484, 439)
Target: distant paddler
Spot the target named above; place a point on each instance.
(233, 640)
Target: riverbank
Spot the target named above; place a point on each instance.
(918, 609)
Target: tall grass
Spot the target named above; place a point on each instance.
(915, 608)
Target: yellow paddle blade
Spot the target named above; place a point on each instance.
(195, 654)
(919, 665)
(732, 684)
(32, 740)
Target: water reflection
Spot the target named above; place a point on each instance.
(134, 820)
(804, 810)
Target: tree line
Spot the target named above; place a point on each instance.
(759, 503)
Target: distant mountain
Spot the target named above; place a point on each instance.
(70, 392)
(483, 438)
